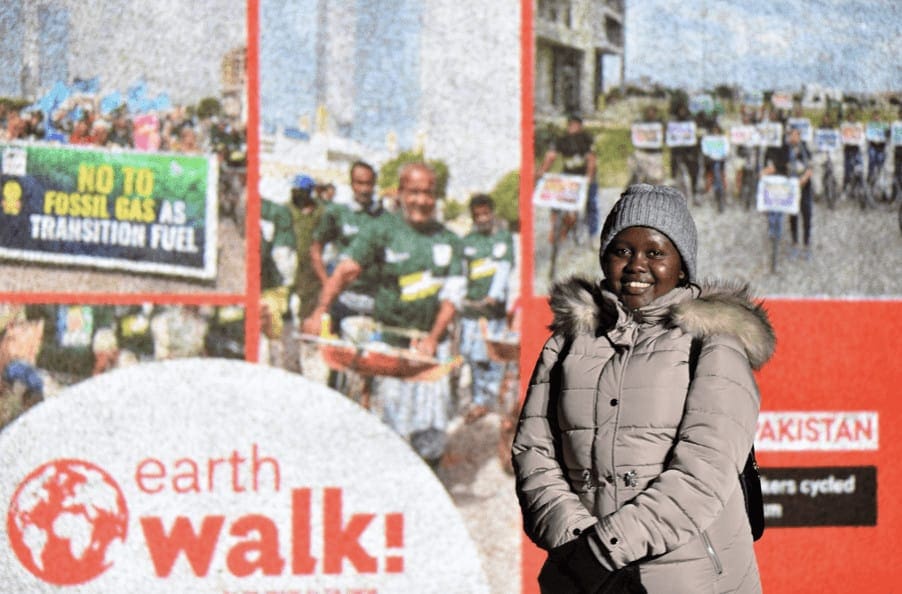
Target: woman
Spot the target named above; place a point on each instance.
(640, 414)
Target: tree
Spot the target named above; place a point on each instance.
(506, 195)
(388, 173)
(208, 107)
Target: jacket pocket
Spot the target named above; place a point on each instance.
(712, 554)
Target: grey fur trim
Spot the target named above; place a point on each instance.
(578, 307)
(719, 308)
(729, 308)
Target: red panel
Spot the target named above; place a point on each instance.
(831, 356)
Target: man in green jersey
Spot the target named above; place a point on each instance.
(419, 287)
(488, 258)
(339, 225)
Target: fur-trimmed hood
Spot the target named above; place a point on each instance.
(582, 306)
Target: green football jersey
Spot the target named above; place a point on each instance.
(275, 231)
(340, 225)
(486, 256)
(412, 268)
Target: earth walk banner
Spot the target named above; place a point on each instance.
(120, 209)
(220, 476)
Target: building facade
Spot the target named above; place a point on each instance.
(576, 44)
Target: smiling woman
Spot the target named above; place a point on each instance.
(640, 414)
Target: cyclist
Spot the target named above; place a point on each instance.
(575, 147)
(794, 160)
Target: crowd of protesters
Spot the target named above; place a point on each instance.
(79, 121)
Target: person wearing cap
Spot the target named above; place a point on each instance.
(306, 213)
(419, 288)
(575, 148)
(640, 415)
(278, 262)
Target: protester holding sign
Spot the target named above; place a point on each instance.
(576, 152)
(794, 160)
(640, 412)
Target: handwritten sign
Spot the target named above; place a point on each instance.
(561, 191)
(876, 131)
(852, 133)
(827, 139)
(715, 147)
(778, 193)
(681, 133)
(647, 135)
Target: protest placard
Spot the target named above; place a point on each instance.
(715, 146)
(745, 136)
(852, 133)
(876, 131)
(681, 134)
(781, 99)
(771, 133)
(778, 193)
(124, 210)
(827, 139)
(562, 191)
(647, 135)
(895, 135)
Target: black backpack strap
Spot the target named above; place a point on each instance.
(749, 480)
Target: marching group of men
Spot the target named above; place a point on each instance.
(405, 270)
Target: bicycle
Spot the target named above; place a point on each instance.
(829, 184)
(859, 189)
(879, 184)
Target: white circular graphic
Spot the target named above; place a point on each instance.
(217, 476)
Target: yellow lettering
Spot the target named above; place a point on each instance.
(105, 178)
(145, 182)
(85, 177)
(128, 181)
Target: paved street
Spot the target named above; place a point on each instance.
(855, 254)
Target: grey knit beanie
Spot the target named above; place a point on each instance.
(659, 207)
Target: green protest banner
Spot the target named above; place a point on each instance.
(128, 210)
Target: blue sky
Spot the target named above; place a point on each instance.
(854, 45)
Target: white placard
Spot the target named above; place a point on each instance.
(561, 191)
(647, 135)
(778, 193)
(681, 134)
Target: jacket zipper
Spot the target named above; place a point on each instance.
(626, 358)
(712, 554)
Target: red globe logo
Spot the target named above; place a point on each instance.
(65, 521)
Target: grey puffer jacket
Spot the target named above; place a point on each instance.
(614, 437)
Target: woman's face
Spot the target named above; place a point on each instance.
(640, 265)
